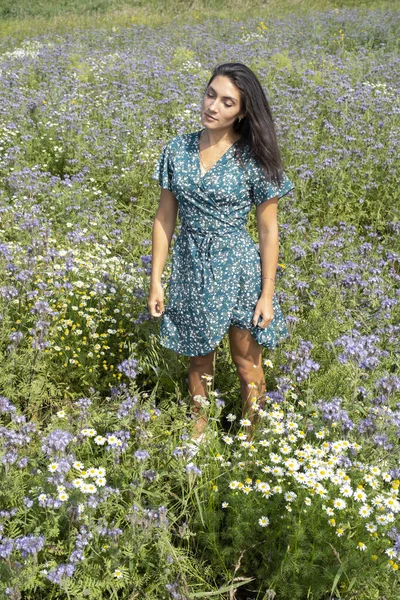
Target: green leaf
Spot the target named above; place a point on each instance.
(226, 588)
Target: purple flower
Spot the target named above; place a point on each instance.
(128, 367)
(29, 544)
(56, 441)
(6, 547)
(192, 468)
(60, 572)
(141, 455)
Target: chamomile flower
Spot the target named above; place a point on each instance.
(361, 546)
(52, 467)
(118, 574)
(339, 503)
(365, 510)
(225, 505)
(231, 417)
(227, 439)
(263, 521)
(245, 422)
(89, 432)
(359, 495)
(268, 363)
(100, 440)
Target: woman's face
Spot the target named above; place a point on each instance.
(221, 101)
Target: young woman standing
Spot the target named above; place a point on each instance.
(220, 282)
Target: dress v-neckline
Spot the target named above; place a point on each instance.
(216, 162)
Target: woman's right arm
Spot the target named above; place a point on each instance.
(163, 229)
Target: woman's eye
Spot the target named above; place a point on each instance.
(227, 105)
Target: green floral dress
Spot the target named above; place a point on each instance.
(216, 267)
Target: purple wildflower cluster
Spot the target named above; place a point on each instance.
(299, 364)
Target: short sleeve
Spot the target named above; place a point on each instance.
(164, 168)
(263, 190)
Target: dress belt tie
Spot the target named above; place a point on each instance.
(204, 244)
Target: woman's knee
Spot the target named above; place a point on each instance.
(245, 369)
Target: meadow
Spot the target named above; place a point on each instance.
(101, 496)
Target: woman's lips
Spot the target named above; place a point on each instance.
(210, 117)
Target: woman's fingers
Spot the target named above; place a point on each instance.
(156, 307)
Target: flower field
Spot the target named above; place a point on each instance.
(101, 495)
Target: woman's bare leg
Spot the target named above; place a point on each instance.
(247, 356)
(199, 366)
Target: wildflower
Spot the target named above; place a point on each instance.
(371, 527)
(307, 501)
(100, 440)
(100, 481)
(339, 503)
(118, 574)
(61, 414)
(92, 472)
(252, 385)
(112, 440)
(227, 439)
(78, 465)
(392, 503)
(202, 400)
(268, 363)
(141, 454)
(234, 485)
(192, 468)
(290, 496)
(359, 495)
(391, 552)
(365, 510)
(63, 496)
(52, 467)
(346, 490)
(263, 521)
(245, 422)
(339, 531)
(77, 482)
(231, 417)
(225, 504)
(89, 432)
(361, 546)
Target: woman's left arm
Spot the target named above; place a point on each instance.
(267, 225)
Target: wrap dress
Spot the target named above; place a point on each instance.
(215, 277)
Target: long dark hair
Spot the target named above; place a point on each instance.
(257, 129)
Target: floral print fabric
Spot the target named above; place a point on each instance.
(216, 267)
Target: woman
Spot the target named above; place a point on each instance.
(219, 280)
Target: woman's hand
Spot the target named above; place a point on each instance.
(155, 301)
(265, 310)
